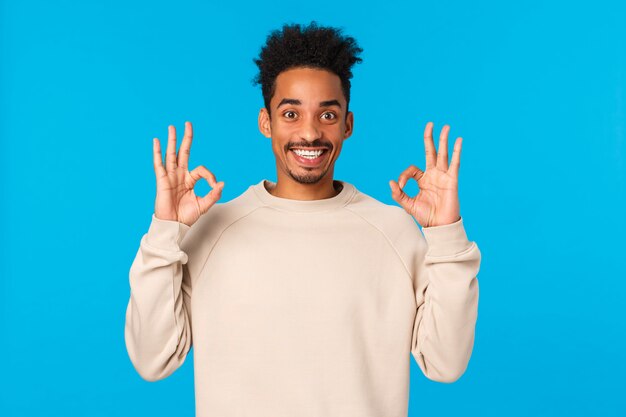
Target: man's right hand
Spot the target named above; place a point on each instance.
(175, 199)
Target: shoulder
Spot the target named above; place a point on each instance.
(392, 220)
(399, 228)
(205, 232)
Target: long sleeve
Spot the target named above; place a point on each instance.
(447, 302)
(158, 320)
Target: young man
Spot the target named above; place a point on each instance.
(304, 297)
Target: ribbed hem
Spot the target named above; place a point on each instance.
(166, 234)
(347, 192)
(447, 239)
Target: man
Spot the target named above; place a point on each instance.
(304, 297)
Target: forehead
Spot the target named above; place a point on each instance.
(308, 85)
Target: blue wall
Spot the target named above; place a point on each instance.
(536, 91)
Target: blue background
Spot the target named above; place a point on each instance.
(535, 89)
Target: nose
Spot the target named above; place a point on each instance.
(309, 130)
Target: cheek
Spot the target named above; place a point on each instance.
(336, 130)
(278, 147)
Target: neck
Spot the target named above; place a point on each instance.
(293, 190)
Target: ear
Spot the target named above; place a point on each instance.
(349, 125)
(264, 123)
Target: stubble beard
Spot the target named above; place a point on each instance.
(307, 178)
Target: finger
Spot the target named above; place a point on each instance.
(455, 164)
(185, 147)
(157, 158)
(411, 172)
(170, 154)
(442, 156)
(399, 196)
(201, 172)
(429, 146)
(211, 198)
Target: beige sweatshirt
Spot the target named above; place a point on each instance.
(303, 308)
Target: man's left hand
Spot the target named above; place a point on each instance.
(437, 202)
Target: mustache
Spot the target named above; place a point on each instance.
(305, 145)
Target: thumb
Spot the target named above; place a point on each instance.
(399, 195)
(211, 198)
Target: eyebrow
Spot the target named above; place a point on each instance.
(297, 102)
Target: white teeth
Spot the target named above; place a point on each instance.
(308, 154)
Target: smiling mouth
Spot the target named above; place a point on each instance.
(309, 157)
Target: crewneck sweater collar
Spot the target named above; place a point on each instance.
(286, 204)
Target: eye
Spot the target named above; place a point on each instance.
(329, 116)
(290, 114)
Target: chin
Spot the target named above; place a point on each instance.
(311, 178)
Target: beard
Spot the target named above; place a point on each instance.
(307, 178)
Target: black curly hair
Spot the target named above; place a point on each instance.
(310, 46)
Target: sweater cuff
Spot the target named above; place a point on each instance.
(166, 234)
(446, 240)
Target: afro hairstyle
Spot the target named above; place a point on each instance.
(310, 46)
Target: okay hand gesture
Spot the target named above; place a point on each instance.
(437, 203)
(176, 199)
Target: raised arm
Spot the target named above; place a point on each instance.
(158, 320)
(447, 297)
(444, 266)
(158, 316)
